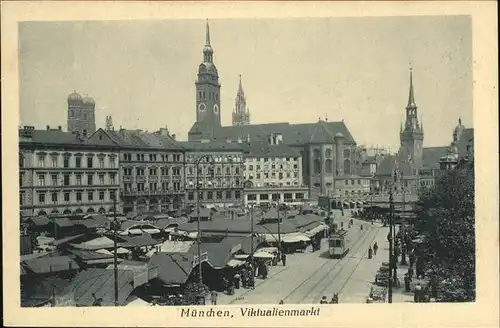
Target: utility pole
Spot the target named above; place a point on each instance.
(391, 238)
(251, 227)
(115, 253)
(279, 228)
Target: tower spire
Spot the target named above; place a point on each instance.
(411, 96)
(207, 38)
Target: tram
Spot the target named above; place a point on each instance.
(337, 244)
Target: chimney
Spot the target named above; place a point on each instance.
(59, 128)
(173, 136)
(48, 127)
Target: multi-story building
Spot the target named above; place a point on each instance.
(152, 169)
(64, 173)
(273, 173)
(220, 174)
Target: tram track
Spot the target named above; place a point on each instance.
(303, 290)
(343, 269)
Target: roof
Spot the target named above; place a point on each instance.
(140, 139)
(204, 213)
(96, 243)
(58, 138)
(172, 268)
(286, 226)
(264, 149)
(293, 134)
(386, 167)
(51, 264)
(100, 282)
(85, 255)
(170, 246)
(212, 146)
(39, 220)
(218, 225)
(144, 239)
(321, 134)
(305, 220)
(431, 156)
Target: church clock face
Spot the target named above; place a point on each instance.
(202, 107)
(216, 109)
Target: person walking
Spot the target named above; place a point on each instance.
(417, 293)
(323, 300)
(213, 297)
(375, 248)
(370, 253)
(407, 282)
(283, 259)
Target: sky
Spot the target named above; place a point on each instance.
(142, 73)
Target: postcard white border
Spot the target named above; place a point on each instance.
(483, 313)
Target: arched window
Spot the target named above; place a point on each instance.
(347, 167)
(54, 212)
(317, 153)
(102, 211)
(347, 153)
(328, 166)
(90, 210)
(328, 153)
(79, 211)
(42, 213)
(317, 166)
(66, 212)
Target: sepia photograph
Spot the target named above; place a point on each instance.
(219, 164)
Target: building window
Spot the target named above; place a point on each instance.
(190, 195)
(54, 161)
(280, 176)
(66, 179)
(112, 178)
(258, 175)
(90, 196)
(112, 195)
(54, 197)
(21, 160)
(101, 179)
(78, 162)
(90, 162)
(228, 194)
(66, 161)
(90, 179)
(41, 180)
(21, 178)
(41, 160)
(78, 196)
(252, 197)
(66, 196)
(101, 163)
(250, 167)
(359, 181)
(112, 163)
(219, 194)
(237, 170)
(210, 195)
(21, 198)
(78, 180)
(237, 194)
(41, 198)
(317, 166)
(101, 195)
(200, 195)
(54, 179)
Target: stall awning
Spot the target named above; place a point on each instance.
(296, 238)
(315, 231)
(263, 255)
(241, 256)
(235, 263)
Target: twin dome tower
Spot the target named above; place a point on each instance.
(81, 114)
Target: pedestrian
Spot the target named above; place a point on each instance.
(323, 300)
(370, 253)
(213, 297)
(410, 272)
(407, 282)
(237, 278)
(283, 259)
(281, 302)
(417, 293)
(335, 298)
(375, 248)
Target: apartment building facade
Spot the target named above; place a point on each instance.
(62, 173)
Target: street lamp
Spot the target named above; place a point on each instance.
(392, 271)
(207, 159)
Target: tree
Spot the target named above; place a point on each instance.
(446, 218)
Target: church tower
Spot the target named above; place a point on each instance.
(208, 90)
(241, 113)
(412, 133)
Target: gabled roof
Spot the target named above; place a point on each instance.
(51, 264)
(214, 146)
(293, 134)
(140, 139)
(431, 156)
(60, 138)
(389, 163)
(321, 134)
(172, 268)
(101, 283)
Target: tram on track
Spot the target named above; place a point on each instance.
(337, 244)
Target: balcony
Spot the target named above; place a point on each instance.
(148, 193)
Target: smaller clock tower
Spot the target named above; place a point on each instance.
(208, 91)
(412, 133)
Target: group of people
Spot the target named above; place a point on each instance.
(334, 300)
(372, 251)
